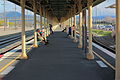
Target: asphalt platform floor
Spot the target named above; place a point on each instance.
(59, 60)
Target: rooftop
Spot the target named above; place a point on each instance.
(57, 8)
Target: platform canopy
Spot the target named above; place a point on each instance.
(57, 8)
(112, 6)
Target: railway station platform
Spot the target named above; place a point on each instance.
(59, 60)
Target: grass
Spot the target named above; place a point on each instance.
(10, 23)
(101, 32)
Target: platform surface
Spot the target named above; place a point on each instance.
(59, 60)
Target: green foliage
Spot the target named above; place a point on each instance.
(11, 24)
(1, 23)
(101, 32)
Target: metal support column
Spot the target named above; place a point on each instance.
(23, 55)
(80, 28)
(40, 19)
(41, 22)
(47, 26)
(71, 28)
(68, 26)
(90, 53)
(69, 22)
(35, 27)
(75, 38)
(44, 26)
(75, 26)
(117, 73)
(84, 31)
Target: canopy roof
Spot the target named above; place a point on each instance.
(112, 6)
(57, 8)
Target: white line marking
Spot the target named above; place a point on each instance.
(105, 50)
(101, 64)
(10, 68)
(30, 41)
(6, 71)
(13, 51)
(10, 53)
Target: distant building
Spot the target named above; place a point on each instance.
(110, 20)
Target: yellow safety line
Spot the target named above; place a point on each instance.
(104, 60)
(1, 70)
(30, 47)
(9, 63)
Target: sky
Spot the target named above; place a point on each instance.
(8, 6)
(98, 10)
(11, 7)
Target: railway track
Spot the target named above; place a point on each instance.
(12, 42)
(103, 42)
(106, 53)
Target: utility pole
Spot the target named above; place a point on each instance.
(15, 17)
(4, 16)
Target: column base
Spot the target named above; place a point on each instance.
(79, 46)
(90, 56)
(71, 37)
(23, 57)
(35, 46)
(75, 40)
(47, 35)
